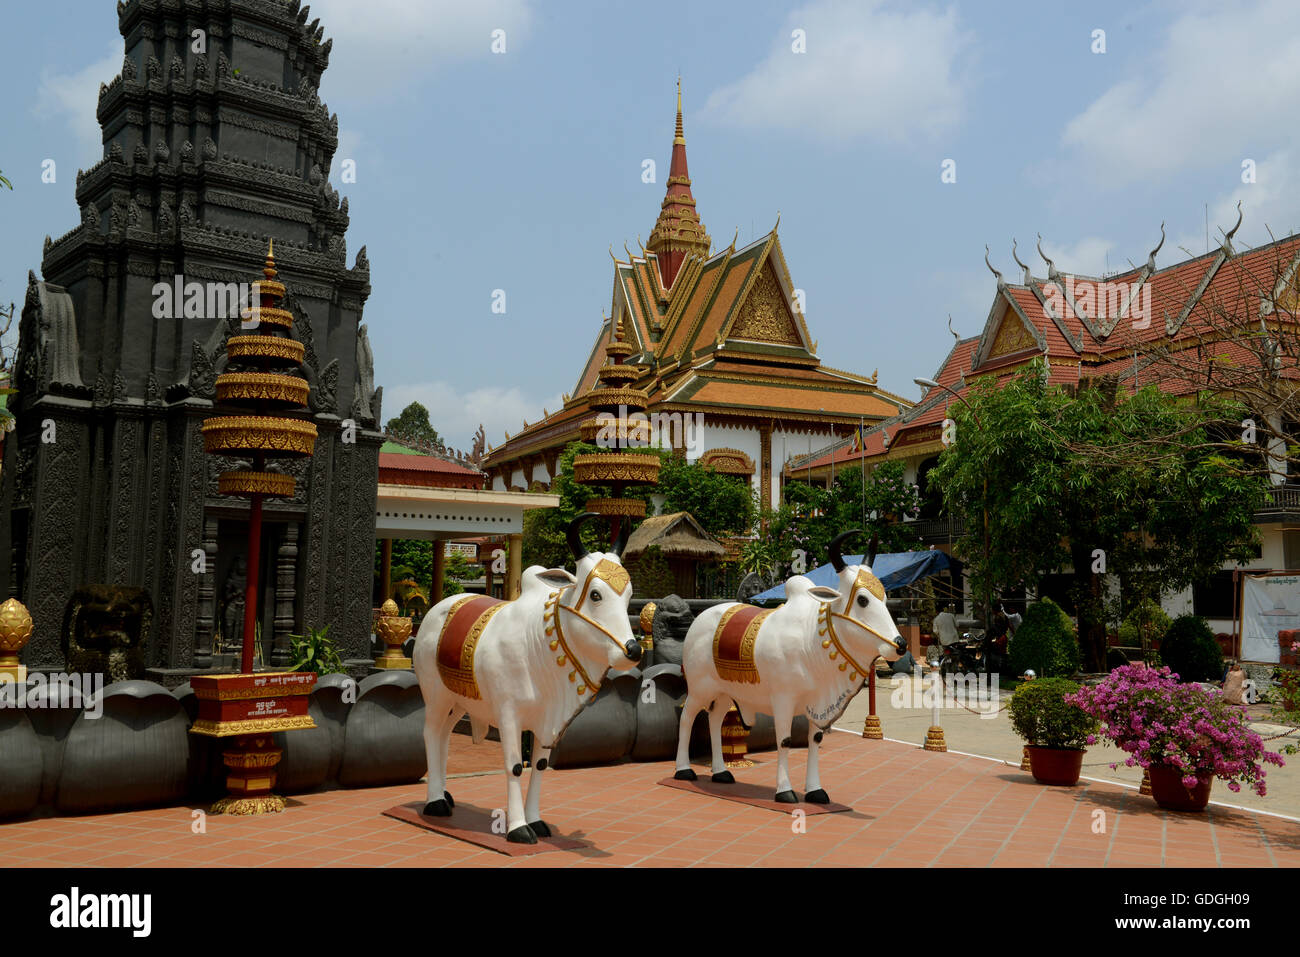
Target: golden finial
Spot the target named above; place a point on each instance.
(611, 254)
(269, 269)
(679, 137)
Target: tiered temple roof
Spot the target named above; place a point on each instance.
(1061, 319)
(720, 333)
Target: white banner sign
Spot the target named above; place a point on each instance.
(1269, 604)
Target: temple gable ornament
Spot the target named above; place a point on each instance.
(764, 315)
(1012, 336)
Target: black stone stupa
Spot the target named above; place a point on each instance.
(207, 156)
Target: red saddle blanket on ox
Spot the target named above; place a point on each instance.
(733, 643)
(460, 633)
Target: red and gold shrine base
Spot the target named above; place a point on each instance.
(232, 705)
(250, 709)
(250, 776)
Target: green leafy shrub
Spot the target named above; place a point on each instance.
(1190, 651)
(1041, 715)
(1144, 627)
(316, 651)
(1045, 642)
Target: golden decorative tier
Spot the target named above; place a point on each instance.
(871, 728)
(260, 433)
(619, 373)
(634, 399)
(271, 315)
(616, 433)
(601, 467)
(270, 287)
(934, 739)
(268, 386)
(619, 347)
(256, 483)
(631, 507)
(265, 347)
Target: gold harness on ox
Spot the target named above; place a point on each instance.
(733, 643)
(868, 582)
(458, 638)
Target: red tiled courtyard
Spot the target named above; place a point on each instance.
(911, 809)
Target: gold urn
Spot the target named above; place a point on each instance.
(393, 630)
(647, 628)
(15, 631)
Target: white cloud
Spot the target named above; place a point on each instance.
(1270, 208)
(1090, 256)
(457, 413)
(869, 69)
(74, 98)
(380, 43)
(1222, 83)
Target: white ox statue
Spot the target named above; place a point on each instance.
(809, 656)
(530, 664)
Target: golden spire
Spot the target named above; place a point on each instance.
(679, 137)
(269, 270)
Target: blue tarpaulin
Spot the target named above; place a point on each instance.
(894, 569)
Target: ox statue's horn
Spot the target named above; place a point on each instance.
(575, 541)
(837, 560)
(624, 527)
(871, 554)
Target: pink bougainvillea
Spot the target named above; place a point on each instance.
(1156, 719)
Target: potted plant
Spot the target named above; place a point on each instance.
(1055, 730)
(1183, 734)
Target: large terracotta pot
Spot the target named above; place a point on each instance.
(1169, 792)
(1058, 766)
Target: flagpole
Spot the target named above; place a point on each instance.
(862, 468)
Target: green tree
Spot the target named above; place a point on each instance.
(412, 425)
(811, 516)
(1068, 481)
(722, 504)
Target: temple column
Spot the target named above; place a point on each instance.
(385, 570)
(207, 597)
(439, 571)
(514, 566)
(286, 575)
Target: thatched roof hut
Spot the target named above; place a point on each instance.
(682, 541)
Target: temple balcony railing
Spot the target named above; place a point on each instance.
(1280, 504)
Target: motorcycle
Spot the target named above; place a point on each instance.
(967, 655)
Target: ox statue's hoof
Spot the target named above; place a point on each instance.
(540, 828)
(446, 796)
(438, 808)
(684, 775)
(723, 777)
(522, 835)
(786, 797)
(817, 797)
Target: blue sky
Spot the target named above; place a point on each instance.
(479, 171)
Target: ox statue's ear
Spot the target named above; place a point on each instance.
(823, 594)
(557, 578)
